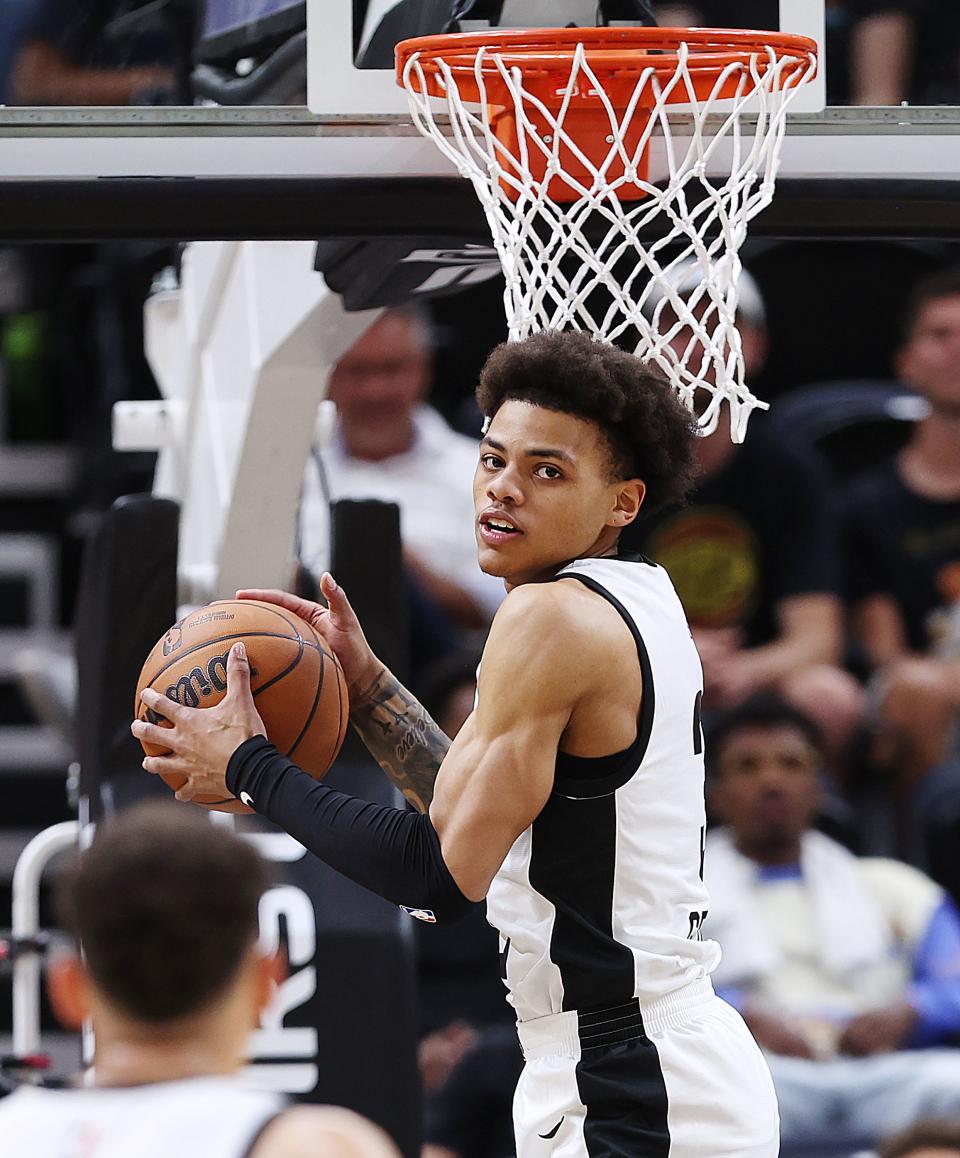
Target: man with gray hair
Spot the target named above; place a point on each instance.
(390, 445)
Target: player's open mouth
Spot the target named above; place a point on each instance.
(497, 529)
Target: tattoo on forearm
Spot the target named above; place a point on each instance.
(401, 737)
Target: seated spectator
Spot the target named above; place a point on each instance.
(470, 1116)
(930, 1139)
(754, 558)
(846, 969)
(57, 54)
(391, 446)
(902, 538)
(869, 49)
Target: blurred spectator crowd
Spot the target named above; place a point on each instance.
(118, 52)
(819, 564)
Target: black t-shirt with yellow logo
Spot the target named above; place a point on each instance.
(904, 545)
(761, 529)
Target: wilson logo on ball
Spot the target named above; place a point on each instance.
(298, 685)
(196, 685)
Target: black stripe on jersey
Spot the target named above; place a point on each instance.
(586, 787)
(625, 1096)
(573, 850)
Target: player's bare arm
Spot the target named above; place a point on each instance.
(559, 671)
(392, 723)
(401, 736)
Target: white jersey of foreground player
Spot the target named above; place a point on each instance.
(206, 1117)
(600, 904)
(621, 917)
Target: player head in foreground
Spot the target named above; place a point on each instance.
(164, 906)
(572, 797)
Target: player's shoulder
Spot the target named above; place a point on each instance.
(322, 1132)
(556, 616)
(563, 604)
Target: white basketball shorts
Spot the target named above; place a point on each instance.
(679, 1078)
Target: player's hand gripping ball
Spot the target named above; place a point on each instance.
(297, 683)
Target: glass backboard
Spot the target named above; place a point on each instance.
(350, 53)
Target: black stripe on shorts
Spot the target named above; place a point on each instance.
(621, 1084)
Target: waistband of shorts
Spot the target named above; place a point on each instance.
(576, 1030)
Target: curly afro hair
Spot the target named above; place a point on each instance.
(649, 430)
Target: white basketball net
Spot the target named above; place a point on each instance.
(552, 270)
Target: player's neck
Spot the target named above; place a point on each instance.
(607, 546)
(930, 463)
(128, 1054)
(133, 1064)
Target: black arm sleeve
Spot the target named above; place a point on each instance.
(394, 853)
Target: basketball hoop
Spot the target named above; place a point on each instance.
(554, 128)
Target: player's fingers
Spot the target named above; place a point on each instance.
(164, 706)
(302, 607)
(238, 671)
(165, 764)
(341, 611)
(148, 733)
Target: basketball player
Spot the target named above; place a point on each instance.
(165, 906)
(572, 798)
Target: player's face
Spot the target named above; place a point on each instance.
(543, 496)
(767, 786)
(930, 359)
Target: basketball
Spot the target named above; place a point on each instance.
(297, 682)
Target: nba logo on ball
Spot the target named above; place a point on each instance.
(420, 914)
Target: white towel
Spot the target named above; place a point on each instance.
(853, 934)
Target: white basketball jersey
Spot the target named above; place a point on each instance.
(197, 1118)
(601, 899)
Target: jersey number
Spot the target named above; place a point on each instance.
(696, 926)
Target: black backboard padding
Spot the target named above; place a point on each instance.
(311, 208)
(127, 600)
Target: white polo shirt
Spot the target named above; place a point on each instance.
(432, 483)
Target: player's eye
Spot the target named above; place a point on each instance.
(491, 461)
(546, 470)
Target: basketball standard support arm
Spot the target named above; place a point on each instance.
(242, 350)
(25, 925)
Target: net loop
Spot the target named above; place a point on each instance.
(555, 129)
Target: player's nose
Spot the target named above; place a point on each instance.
(505, 487)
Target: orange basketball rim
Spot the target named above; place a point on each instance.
(568, 104)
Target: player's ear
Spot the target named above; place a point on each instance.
(68, 989)
(271, 971)
(629, 499)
